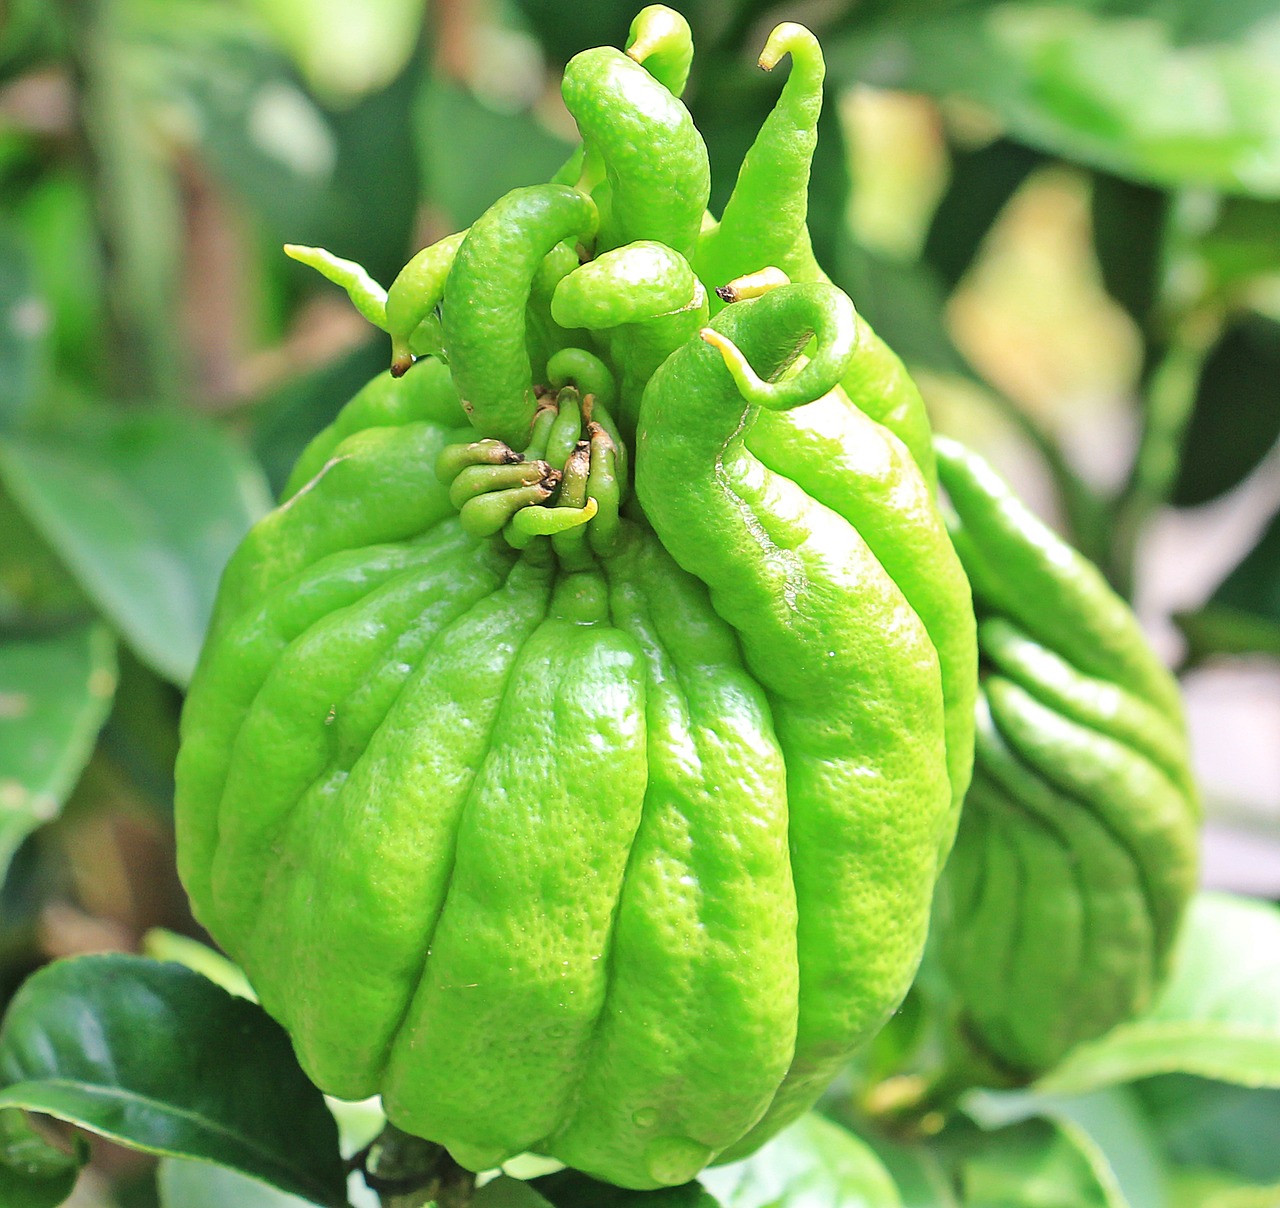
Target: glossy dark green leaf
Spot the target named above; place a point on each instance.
(1214, 1125)
(570, 1189)
(1236, 418)
(160, 1059)
(453, 125)
(982, 182)
(504, 1192)
(1243, 615)
(24, 326)
(1124, 92)
(1128, 238)
(144, 508)
(55, 693)
(1218, 1016)
(812, 1162)
(34, 1173)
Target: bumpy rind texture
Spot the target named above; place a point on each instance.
(1076, 852)
(607, 865)
(613, 849)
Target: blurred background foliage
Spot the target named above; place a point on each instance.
(1064, 215)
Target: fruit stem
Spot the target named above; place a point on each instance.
(409, 1172)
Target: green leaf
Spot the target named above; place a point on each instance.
(1215, 1125)
(1244, 242)
(1243, 614)
(183, 1183)
(1236, 417)
(55, 693)
(812, 1162)
(158, 1058)
(145, 508)
(24, 326)
(36, 592)
(570, 1189)
(1038, 1164)
(1124, 93)
(1109, 1126)
(452, 125)
(1128, 238)
(34, 1174)
(505, 1192)
(982, 182)
(1218, 1016)
(1211, 1189)
(162, 945)
(917, 1172)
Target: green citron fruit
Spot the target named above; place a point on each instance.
(576, 776)
(1077, 848)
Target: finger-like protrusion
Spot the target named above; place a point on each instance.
(587, 372)
(414, 295)
(480, 480)
(566, 431)
(493, 275)
(367, 296)
(603, 486)
(546, 522)
(661, 41)
(454, 459)
(827, 317)
(486, 514)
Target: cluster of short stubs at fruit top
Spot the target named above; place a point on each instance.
(575, 752)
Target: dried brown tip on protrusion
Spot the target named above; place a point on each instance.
(752, 285)
(598, 433)
(551, 479)
(401, 365)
